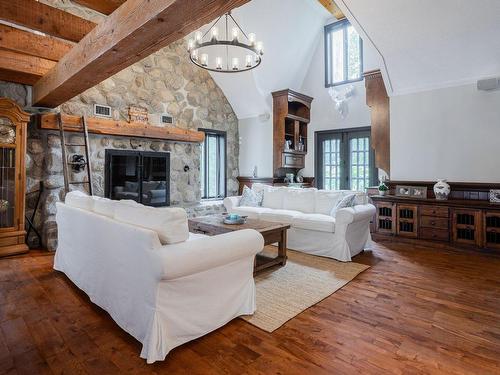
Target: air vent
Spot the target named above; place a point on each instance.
(102, 110)
(167, 119)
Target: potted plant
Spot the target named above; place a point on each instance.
(382, 188)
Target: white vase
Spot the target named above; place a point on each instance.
(382, 192)
(442, 189)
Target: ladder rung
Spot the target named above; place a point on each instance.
(73, 163)
(78, 182)
(74, 144)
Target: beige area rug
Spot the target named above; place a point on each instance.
(305, 280)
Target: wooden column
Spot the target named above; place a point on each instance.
(378, 101)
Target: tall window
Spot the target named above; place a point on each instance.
(213, 164)
(343, 54)
(344, 159)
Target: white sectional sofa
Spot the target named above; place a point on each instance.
(162, 294)
(314, 229)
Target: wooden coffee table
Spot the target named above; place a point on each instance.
(272, 233)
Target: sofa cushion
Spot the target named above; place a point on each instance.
(80, 200)
(279, 216)
(302, 200)
(273, 198)
(318, 222)
(171, 224)
(326, 200)
(104, 206)
(258, 187)
(251, 198)
(251, 212)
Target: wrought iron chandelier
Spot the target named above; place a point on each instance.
(232, 52)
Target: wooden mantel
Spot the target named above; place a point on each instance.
(48, 121)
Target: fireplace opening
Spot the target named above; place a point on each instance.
(138, 175)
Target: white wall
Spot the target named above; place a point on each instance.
(256, 146)
(448, 133)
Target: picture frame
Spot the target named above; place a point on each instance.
(419, 192)
(494, 195)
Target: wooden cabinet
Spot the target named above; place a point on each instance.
(470, 223)
(466, 227)
(407, 220)
(291, 116)
(13, 123)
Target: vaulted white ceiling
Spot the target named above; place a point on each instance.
(289, 30)
(428, 44)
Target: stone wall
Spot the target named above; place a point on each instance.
(164, 82)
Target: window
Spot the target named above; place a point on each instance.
(345, 160)
(343, 54)
(213, 164)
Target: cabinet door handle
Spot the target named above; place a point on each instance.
(433, 222)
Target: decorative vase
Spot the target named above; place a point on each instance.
(442, 190)
(382, 192)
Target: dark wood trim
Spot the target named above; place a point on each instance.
(132, 32)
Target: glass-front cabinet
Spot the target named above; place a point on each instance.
(13, 123)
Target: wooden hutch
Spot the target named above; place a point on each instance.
(467, 218)
(13, 124)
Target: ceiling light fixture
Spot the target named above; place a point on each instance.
(232, 52)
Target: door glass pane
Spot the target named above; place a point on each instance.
(7, 186)
(124, 177)
(331, 166)
(359, 152)
(154, 180)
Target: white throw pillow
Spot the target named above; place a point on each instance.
(259, 187)
(273, 198)
(348, 201)
(326, 200)
(250, 198)
(80, 200)
(302, 200)
(171, 224)
(104, 206)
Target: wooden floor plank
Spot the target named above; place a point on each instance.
(417, 310)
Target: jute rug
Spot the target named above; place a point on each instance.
(283, 293)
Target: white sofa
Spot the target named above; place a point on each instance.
(163, 295)
(308, 211)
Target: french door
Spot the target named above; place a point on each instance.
(344, 159)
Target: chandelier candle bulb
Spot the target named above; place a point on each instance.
(248, 61)
(251, 38)
(194, 55)
(260, 47)
(236, 63)
(215, 33)
(190, 45)
(218, 63)
(198, 36)
(235, 33)
(204, 59)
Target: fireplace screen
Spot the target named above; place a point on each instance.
(141, 176)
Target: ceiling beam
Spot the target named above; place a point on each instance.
(134, 31)
(332, 8)
(44, 18)
(21, 68)
(103, 6)
(43, 46)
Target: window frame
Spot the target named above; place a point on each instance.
(342, 24)
(345, 135)
(204, 193)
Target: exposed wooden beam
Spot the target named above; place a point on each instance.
(134, 31)
(28, 43)
(26, 68)
(103, 6)
(124, 128)
(44, 18)
(332, 8)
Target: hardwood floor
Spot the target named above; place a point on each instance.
(416, 310)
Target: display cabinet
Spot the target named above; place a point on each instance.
(13, 124)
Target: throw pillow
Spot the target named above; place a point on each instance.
(348, 201)
(251, 198)
(79, 199)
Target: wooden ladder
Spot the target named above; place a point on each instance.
(67, 162)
